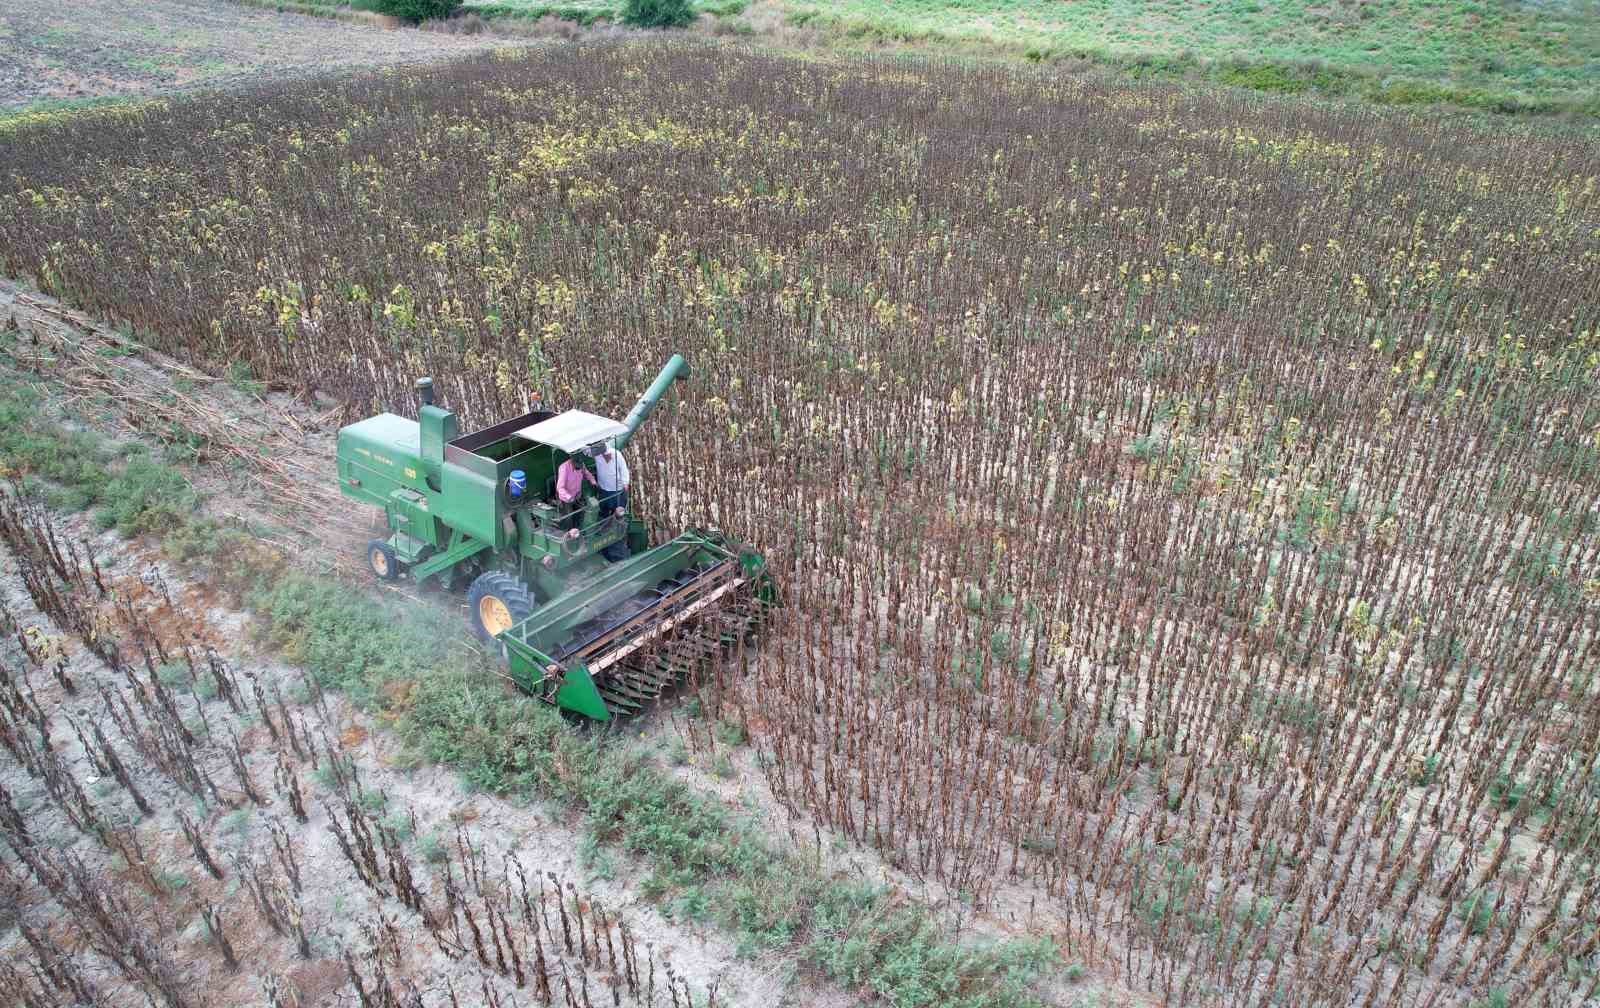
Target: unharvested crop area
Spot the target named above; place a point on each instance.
(1187, 508)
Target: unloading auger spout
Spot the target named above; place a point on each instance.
(676, 369)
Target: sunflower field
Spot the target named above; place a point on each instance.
(1187, 505)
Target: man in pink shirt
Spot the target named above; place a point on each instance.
(569, 487)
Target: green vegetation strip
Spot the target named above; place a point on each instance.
(125, 486)
(1504, 57)
(581, 12)
(333, 11)
(399, 663)
(1518, 59)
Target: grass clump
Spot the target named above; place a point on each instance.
(398, 824)
(128, 489)
(174, 675)
(431, 848)
(370, 652)
(236, 822)
(144, 496)
(597, 862)
(170, 881)
(29, 447)
(866, 940)
(731, 733)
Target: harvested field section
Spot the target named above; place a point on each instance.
(1186, 508)
(56, 52)
(215, 829)
(259, 458)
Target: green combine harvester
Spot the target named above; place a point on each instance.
(587, 614)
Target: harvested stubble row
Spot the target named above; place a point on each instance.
(94, 362)
(1187, 507)
(502, 940)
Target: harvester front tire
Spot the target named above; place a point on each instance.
(495, 602)
(380, 557)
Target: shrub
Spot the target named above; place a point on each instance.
(398, 824)
(237, 821)
(414, 11)
(144, 497)
(657, 13)
(730, 733)
(1270, 77)
(132, 491)
(1477, 911)
(431, 848)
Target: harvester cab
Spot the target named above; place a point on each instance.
(585, 611)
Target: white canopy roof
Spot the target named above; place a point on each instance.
(573, 431)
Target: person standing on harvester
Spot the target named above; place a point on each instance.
(611, 471)
(569, 485)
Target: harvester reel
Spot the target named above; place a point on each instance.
(706, 611)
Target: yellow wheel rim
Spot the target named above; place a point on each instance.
(494, 615)
(380, 563)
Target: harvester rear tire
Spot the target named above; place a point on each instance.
(380, 557)
(495, 601)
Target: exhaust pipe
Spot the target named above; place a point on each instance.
(425, 391)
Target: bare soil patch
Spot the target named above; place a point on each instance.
(97, 48)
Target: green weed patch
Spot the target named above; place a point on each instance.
(124, 486)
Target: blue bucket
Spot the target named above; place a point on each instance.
(516, 483)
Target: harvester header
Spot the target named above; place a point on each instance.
(586, 612)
